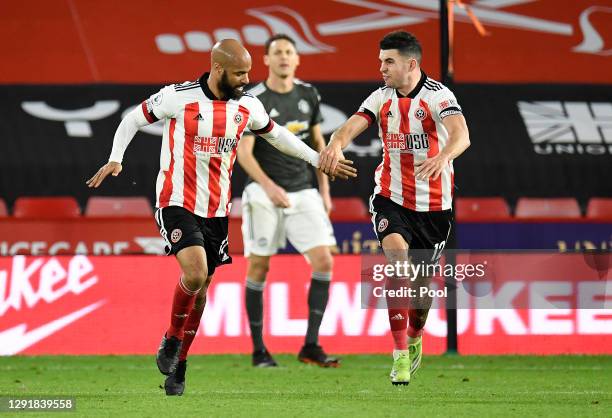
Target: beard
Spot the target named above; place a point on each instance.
(229, 91)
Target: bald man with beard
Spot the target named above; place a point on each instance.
(204, 121)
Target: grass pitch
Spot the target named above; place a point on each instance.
(227, 385)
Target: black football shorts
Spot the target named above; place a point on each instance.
(421, 230)
(180, 229)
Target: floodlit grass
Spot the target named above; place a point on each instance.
(226, 385)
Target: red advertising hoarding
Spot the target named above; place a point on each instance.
(120, 305)
(150, 41)
(91, 236)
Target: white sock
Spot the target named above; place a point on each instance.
(396, 353)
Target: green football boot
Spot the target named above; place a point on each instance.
(400, 373)
(416, 354)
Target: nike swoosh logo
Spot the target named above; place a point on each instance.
(17, 339)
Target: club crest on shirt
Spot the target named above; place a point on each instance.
(303, 106)
(420, 113)
(176, 235)
(383, 224)
(157, 99)
(238, 118)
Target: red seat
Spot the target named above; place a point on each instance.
(348, 209)
(599, 208)
(3, 209)
(547, 208)
(476, 208)
(46, 207)
(118, 206)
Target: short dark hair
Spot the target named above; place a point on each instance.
(277, 37)
(406, 43)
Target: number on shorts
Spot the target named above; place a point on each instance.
(438, 248)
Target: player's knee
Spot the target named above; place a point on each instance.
(195, 278)
(204, 287)
(395, 256)
(323, 263)
(395, 248)
(258, 274)
(193, 265)
(207, 283)
(258, 269)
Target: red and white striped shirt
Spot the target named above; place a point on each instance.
(411, 130)
(199, 145)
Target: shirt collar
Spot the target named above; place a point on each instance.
(204, 85)
(415, 90)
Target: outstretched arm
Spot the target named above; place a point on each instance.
(283, 140)
(123, 136)
(340, 139)
(318, 143)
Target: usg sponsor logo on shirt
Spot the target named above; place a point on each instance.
(406, 142)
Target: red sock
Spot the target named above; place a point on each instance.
(191, 328)
(415, 329)
(181, 306)
(398, 320)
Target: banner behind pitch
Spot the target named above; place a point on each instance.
(121, 305)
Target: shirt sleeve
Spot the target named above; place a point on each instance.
(370, 107)
(317, 116)
(161, 105)
(125, 133)
(286, 142)
(445, 104)
(259, 120)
